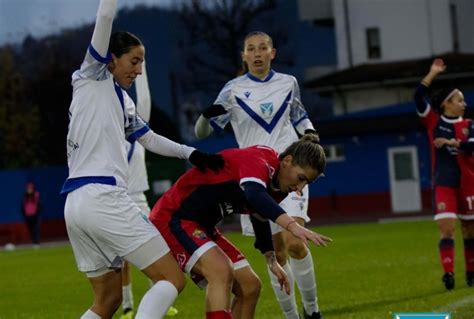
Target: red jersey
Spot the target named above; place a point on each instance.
(207, 198)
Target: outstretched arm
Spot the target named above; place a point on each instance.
(267, 207)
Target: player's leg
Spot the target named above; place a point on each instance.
(217, 269)
(127, 293)
(107, 295)
(287, 302)
(446, 215)
(246, 290)
(301, 263)
(155, 261)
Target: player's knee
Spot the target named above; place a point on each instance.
(281, 257)
(222, 273)
(297, 249)
(252, 288)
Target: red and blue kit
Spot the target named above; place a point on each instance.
(452, 168)
(187, 214)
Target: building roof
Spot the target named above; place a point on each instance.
(459, 67)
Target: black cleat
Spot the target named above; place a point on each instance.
(448, 279)
(470, 278)
(314, 315)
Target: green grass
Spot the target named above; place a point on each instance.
(369, 271)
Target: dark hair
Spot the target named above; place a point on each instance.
(439, 97)
(244, 67)
(307, 153)
(122, 42)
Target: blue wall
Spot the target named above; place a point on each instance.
(365, 168)
(48, 182)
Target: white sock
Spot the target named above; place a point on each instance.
(287, 302)
(303, 272)
(157, 300)
(89, 314)
(127, 297)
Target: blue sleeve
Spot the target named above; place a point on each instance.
(263, 235)
(421, 98)
(259, 199)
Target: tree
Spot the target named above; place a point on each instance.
(19, 117)
(214, 32)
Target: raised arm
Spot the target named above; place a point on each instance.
(143, 95)
(421, 94)
(103, 26)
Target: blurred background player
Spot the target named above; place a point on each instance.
(187, 215)
(104, 225)
(30, 208)
(137, 186)
(264, 107)
(452, 139)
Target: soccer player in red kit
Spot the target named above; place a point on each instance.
(452, 144)
(253, 181)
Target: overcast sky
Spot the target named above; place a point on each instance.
(19, 18)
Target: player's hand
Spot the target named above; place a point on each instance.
(204, 161)
(276, 269)
(308, 235)
(437, 66)
(441, 141)
(213, 111)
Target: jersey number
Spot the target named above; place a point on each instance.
(470, 200)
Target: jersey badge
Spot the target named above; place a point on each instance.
(465, 131)
(247, 94)
(266, 108)
(199, 234)
(441, 206)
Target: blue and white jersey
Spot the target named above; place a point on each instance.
(102, 120)
(264, 112)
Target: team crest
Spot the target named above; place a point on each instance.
(465, 131)
(266, 108)
(247, 94)
(199, 234)
(441, 206)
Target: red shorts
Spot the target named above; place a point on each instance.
(188, 241)
(451, 202)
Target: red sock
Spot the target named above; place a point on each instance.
(469, 254)
(220, 314)
(446, 253)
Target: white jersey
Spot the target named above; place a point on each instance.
(265, 112)
(138, 177)
(102, 118)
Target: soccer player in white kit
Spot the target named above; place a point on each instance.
(264, 107)
(137, 186)
(104, 225)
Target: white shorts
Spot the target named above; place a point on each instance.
(104, 225)
(141, 201)
(293, 204)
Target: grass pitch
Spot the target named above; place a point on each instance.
(369, 271)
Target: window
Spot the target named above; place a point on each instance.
(334, 153)
(373, 43)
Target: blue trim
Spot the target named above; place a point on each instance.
(72, 184)
(268, 78)
(130, 152)
(215, 126)
(119, 92)
(98, 57)
(266, 126)
(301, 120)
(137, 134)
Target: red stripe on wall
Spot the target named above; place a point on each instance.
(17, 233)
